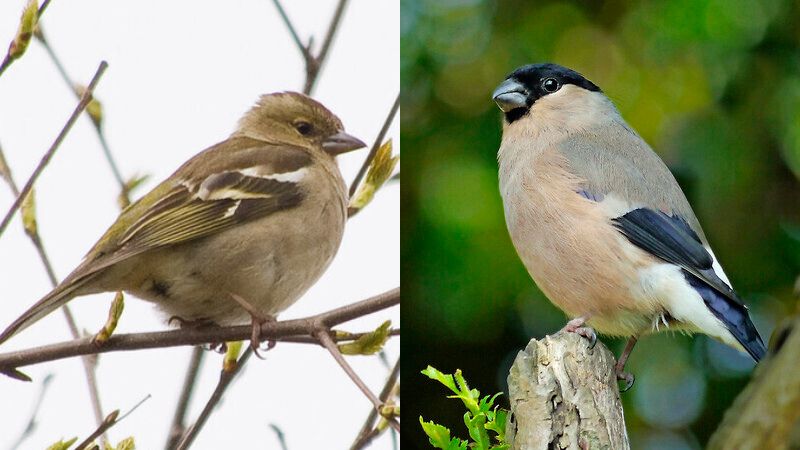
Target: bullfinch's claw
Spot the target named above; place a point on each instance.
(576, 326)
(592, 339)
(589, 334)
(628, 378)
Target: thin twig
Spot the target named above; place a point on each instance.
(87, 362)
(42, 7)
(178, 426)
(31, 426)
(84, 101)
(97, 125)
(279, 435)
(325, 339)
(110, 420)
(326, 46)
(295, 37)
(367, 433)
(197, 336)
(313, 62)
(375, 146)
(225, 378)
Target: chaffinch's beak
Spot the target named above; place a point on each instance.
(341, 142)
(510, 95)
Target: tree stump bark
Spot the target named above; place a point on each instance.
(564, 395)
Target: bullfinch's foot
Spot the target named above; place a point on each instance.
(257, 319)
(627, 377)
(576, 326)
(619, 367)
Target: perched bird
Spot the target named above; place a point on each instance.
(238, 232)
(600, 222)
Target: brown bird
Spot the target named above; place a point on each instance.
(239, 232)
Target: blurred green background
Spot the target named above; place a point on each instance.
(712, 85)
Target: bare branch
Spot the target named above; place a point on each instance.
(225, 378)
(313, 63)
(178, 426)
(323, 334)
(110, 420)
(96, 123)
(367, 433)
(31, 426)
(88, 362)
(375, 146)
(84, 101)
(196, 336)
(326, 46)
(279, 435)
(42, 7)
(304, 50)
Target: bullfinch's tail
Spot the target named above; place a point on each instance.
(733, 315)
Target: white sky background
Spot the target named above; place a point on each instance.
(181, 73)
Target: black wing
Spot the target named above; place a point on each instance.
(673, 240)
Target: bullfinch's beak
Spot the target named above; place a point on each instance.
(510, 95)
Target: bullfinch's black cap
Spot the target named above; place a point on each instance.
(524, 86)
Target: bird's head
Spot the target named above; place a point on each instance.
(296, 119)
(550, 95)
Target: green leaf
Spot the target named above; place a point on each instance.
(62, 444)
(487, 402)
(497, 423)
(114, 314)
(446, 379)
(380, 169)
(467, 395)
(370, 343)
(125, 444)
(458, 444)
(231, 359)
(27, 24)
(28, 208)
(477, 430)
(5, 171)
(438, 435)
(480, 418)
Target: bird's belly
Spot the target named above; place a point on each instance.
(269, 272)
(578, 259)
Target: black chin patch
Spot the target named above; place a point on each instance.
(516, 114)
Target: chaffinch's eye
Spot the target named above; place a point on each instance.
(303, 127)
(551, 85)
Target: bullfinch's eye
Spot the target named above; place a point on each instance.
(551, 85)
(303, 128)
